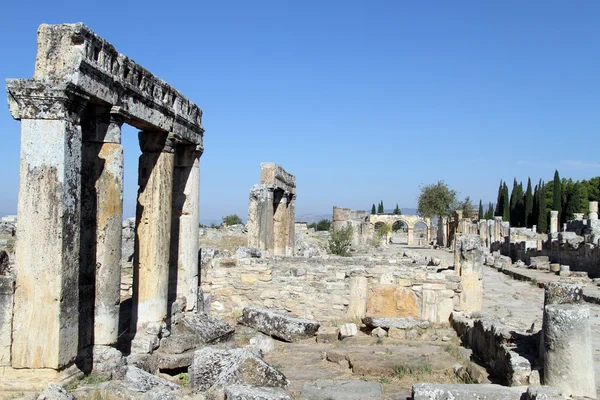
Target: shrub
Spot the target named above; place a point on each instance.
(341, 241)
(232, 219)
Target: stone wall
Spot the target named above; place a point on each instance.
(330, 288)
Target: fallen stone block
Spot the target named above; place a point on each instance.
(400, 323)
(540, 262)
(194, 331)
(279, 324)
(434, 391)
(262, 344)
(139, 380)
(55, 392)
(327, 334)
(247, 252)
(216, 369)
(542, 393)
(243, 392)
(341, 390)
(348, 330)
(555, 267)
(378, 332)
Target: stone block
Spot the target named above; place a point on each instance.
(247, 252)
(327, 334)
(379, 332)
(262, 344)
(245, 392)
(400, 323)
(215, 369)
(139, 380)
(397, 333)
(555, 267)
(565, 271)
(195, 330)
(540, 262)
(348, 330)
(433, 391)
(563, 293)
(278, 324)
(392, 301)
(339, 389)
(543, 393)
(55, 392)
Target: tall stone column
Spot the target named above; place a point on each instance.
(101, 227)
(280, 223)
(291, 235)
(593, 214)
(468, 264)
(46, 299)
(553, 221)
(153, 236)
(411, 239)
(260, 219)
(183, 274)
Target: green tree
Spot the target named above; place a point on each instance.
(380, 207)
(573, 203)
(528, 205)
(499, 201)
(542, 217)
(232, 219)
(323, 225)
(557, 195)
(481, 214)
(397, 210)
(341, 241)
(490, 212)
(505, 203)
(466, 206)
(436, 200)
(373, 210)
(516, 197)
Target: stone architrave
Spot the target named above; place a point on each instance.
(183, 270)
(468, 264)
(153, 234)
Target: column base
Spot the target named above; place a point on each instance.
(20, 382)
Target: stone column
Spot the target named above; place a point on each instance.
(468, 264)
(46, 299)
(291, 235)
(183, 274)
(153, 236)
(359, 294)
(410, 231)
(553, 221)
(280, 223)
(260, 219)
(593, 214)
(101, 227)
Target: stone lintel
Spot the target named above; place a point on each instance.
(73, 53)
(273, 174)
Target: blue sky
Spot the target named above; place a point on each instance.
(362, 101)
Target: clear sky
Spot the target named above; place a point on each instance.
(362, 101)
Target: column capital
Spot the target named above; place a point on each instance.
(157, 142)
(29, 99)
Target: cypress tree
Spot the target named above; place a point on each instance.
(397, 210)
(380, 207)
(505, 203)
(498, 211)
(373, 211)
(557, 198)
(528, 205)
(542, 223)
(481, 216)
(521, 206)
(490, 212)
(536, 207)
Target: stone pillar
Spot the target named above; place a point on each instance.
(568, 350)
(593, 214)
(291, 235)
(410, 231)
(101, 227)
(153, 236)
(46, 299)
(260, 219)
(280, 223)
(553, 221)
(359, 295)
(183, 273)
(468, 264)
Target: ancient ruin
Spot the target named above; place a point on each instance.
(271, 212)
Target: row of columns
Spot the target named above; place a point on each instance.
(70, 210)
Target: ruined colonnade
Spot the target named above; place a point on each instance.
(70, 209)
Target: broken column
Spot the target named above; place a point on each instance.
(46, 298)
(280, 222)
(359, 295)
(593, 214)
(553, 221)
(567, 341)
(153, 235)
(260, 219)
(468, 264)
(183, 273)
(101, 220)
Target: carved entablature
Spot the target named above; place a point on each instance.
(73, 56)
(279, 178)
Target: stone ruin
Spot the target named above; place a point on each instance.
(271, 212)
(70, 209)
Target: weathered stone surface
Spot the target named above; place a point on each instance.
(7, 288)
(392, 301)
(468, 264)
(216, 369)
(563, 293)
(400, 323)
(247, 252)
(540, 262)
(139, 380)
(433, 391)
(348, 330)
(195, 330)
(261, 343)
(327, 334)
(543, 393)
(379, 332)
(4, 263)
(55, 392)
(278, 324)
(341, 390)
(244, 392)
